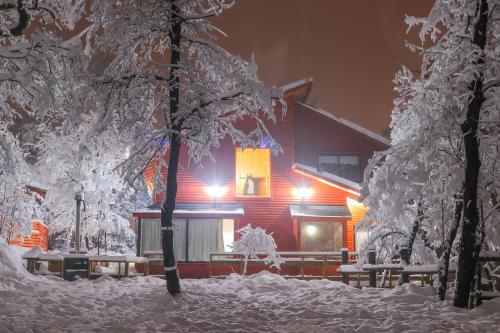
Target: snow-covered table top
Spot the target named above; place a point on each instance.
(489, 255)
(290, 253)
(382, 267)
(350, 269)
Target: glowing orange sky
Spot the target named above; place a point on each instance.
(352, 49)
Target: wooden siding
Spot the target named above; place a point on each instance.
(323, 135)
(39, 237)
(303, 135)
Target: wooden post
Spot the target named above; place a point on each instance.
(324, 266)
(390, 278)
(210, 266)
(302, 266)
(345, 261)
(119, 270)
(372, 275)
(89, 268)
(126, 268)
(403, 252)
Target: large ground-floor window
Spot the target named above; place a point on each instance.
(321, 236)
(194, 239)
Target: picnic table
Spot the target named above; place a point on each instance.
(36, 255)
(120, 260)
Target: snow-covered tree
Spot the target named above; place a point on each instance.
(31, 58)
(165, 82)
(71, 163)
(438, 182)
(255, 242)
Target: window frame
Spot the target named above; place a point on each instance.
(341, 221)
(338, 155)
(187, 219)
(252, 196)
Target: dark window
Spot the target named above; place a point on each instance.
(345, 166)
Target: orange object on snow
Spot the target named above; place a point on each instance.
(39, 237)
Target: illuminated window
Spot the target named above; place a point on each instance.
(253, 172)
(346, 166)
(321, 236)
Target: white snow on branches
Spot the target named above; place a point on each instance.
(255, 242)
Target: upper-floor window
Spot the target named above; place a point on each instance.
(346, 166)
(253, 172)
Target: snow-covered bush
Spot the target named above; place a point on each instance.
(254, 242)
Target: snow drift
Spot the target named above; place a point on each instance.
(263, 302)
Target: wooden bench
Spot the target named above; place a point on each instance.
(34, 259)
(125, 260)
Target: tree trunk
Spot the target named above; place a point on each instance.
(444, 259)
(168, 206)
(476, 295)
(406, 250)
(467, 258)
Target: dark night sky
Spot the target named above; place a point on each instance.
(351, 48)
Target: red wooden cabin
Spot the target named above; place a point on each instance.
(305, 196)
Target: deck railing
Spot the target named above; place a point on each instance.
(294, 258)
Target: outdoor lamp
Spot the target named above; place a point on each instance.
(311, 230)
(215, 191)
(302, 192)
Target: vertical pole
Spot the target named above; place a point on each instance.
(345, 261)
(372, 275)
(324, 267)
(78, 198)
(405, 260)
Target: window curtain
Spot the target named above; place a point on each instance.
(150, 235)
(204, 236)
(180, 239)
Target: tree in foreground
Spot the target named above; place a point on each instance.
(30, 64)
(254, 242)
(437, 186)
(166, 83)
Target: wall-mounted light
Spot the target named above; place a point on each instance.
(215, 192)
(302, 192)
(311, 230)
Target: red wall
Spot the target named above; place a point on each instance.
(323, 135)
(303, 135)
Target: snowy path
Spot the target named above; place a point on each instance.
(261, 303)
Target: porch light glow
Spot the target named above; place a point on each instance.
(215, 191)
(302, 192)
(311, 230)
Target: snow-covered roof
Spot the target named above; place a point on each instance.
(198, 209)
(320, 211)
(328, 176)
(296, 84)
(349, 124)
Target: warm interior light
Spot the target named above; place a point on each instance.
(311, 230)
(215, 191)
(302, 192)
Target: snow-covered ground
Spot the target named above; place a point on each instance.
(260, 303)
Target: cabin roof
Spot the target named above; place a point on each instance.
(328, 178)
(349, 124)
(320, 211)
(297, 84)
(198, 208)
